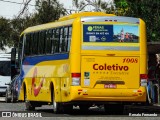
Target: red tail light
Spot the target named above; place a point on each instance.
(76, 74)
(76, 77)
(143, 76)
(144, 79)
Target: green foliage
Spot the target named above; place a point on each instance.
(5, 29)
(149, 11)
(48, 10)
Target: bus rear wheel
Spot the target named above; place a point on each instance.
(84, 108)
(67, 108)
(29, 104)
(57, 107)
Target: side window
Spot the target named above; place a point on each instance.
(32, 44)
(53, 41)
(40, 50)
(56, 45)
(27, 45)
(41, 46)
(66, 31)
(36, 37)
(44, 41)
(61, 47)
(69, 38)
(48, 41)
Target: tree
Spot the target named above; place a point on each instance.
(98, 5)
(48, 10)
(5, 32)
(121, 7)
(149, 11)
(17, 25)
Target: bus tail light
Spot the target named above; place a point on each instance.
(144, 78)
(76, 79)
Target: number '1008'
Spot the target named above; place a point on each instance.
(130, 60)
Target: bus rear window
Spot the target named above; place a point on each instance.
(128, 33)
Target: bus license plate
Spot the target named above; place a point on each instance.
(110, 86)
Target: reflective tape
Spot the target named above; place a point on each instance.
(123, 48)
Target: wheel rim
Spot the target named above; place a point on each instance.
(54, 103)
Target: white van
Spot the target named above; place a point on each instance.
(5, 72)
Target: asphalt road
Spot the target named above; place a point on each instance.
(17, 110)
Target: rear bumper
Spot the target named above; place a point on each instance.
(122, 95)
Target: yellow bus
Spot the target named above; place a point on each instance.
(84, 59)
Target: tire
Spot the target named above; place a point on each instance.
(114, 109)
(57, 107)
(60, 108)
(7, 100)
(67, 108)
(29, 104)
(84, 108)
(13, 100)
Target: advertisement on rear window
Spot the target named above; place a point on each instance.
(111, 33)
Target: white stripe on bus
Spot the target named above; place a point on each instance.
(124, 48)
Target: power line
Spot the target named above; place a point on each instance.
(15, 2)
(24, 8)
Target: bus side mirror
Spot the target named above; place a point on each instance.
(13, 55)
(13, 63)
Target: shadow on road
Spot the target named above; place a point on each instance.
(99, 111)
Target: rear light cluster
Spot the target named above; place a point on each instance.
(144, 78)
(76, 79)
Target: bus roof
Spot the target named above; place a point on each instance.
(68, 18)
(84, 14)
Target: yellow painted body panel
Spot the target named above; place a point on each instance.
(119, 95)
(110, 69)
(55, 72)
(131, 95)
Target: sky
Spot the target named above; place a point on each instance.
(126, 28)
(11, 10)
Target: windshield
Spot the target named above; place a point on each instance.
(5, 68)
